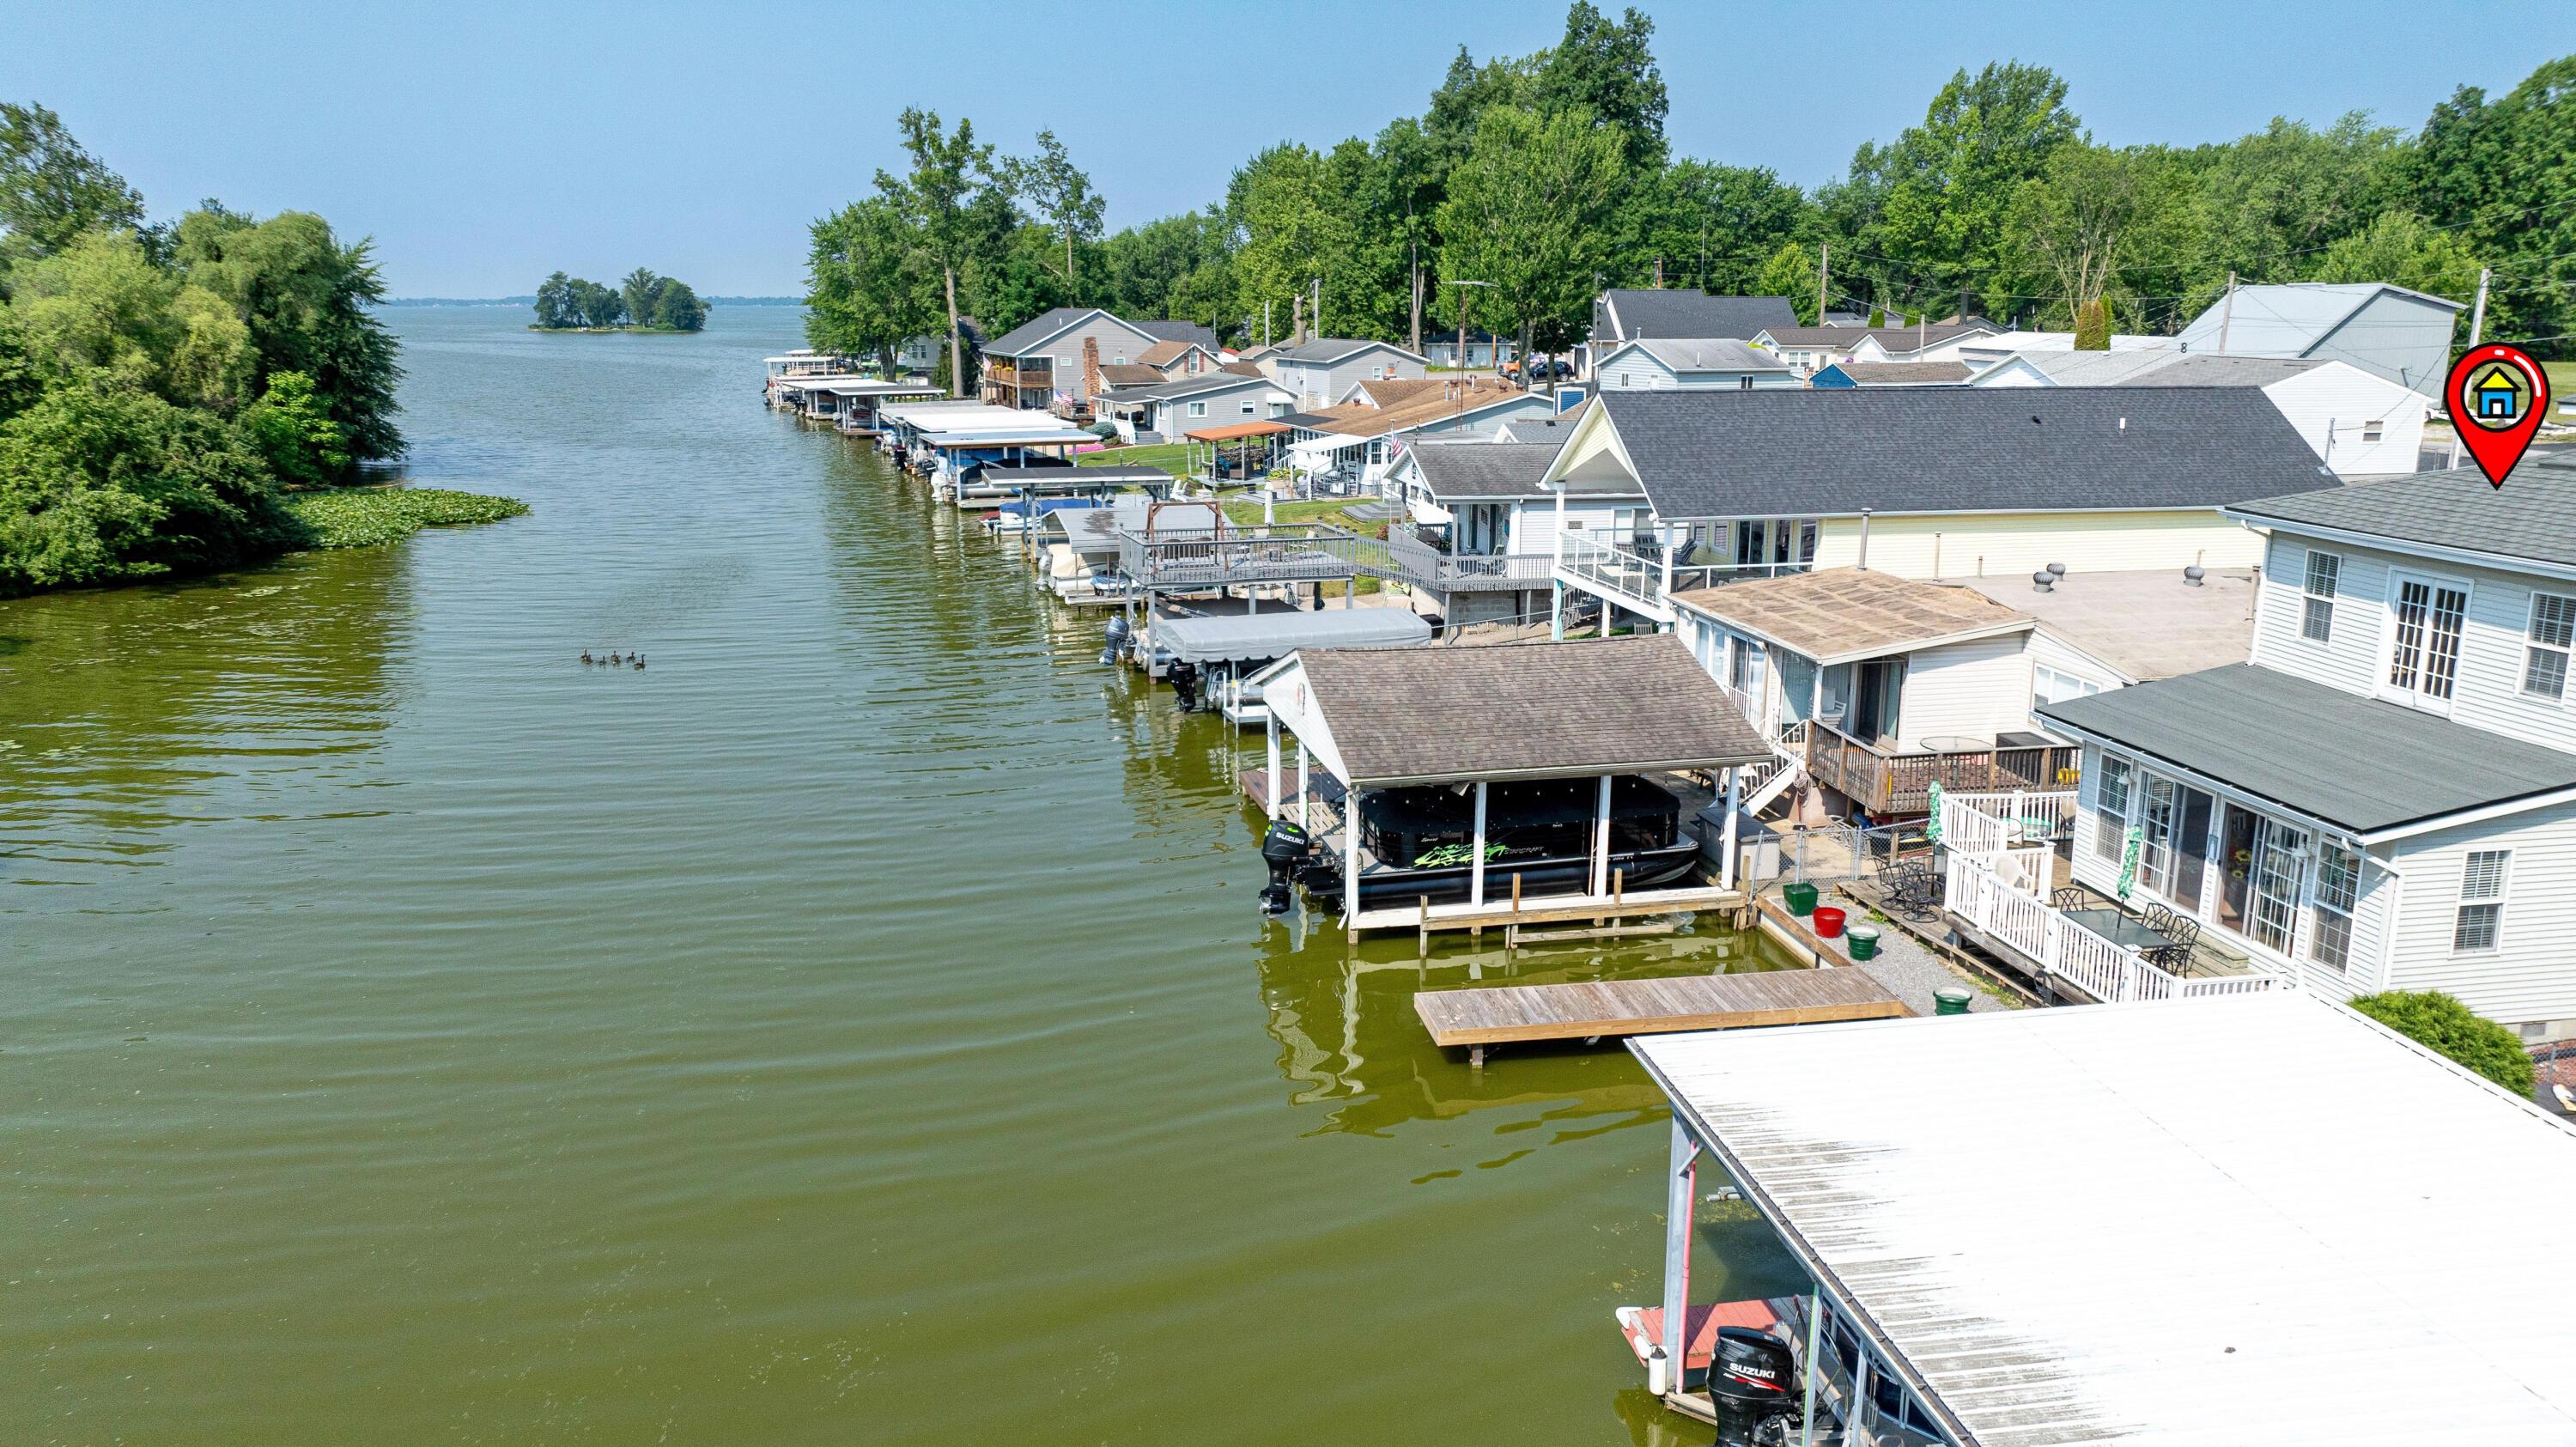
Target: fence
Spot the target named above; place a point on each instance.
(2061, 948)
(1989, 823)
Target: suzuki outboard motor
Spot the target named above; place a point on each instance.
(1114, 642)
(1184, 678)
(1283, 848)
(1753, 1384)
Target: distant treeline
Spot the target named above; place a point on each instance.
(1543, 177)
(643, 301)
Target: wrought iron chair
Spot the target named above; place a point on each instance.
(2158, 918)
(2069, 898)
(2175, 958)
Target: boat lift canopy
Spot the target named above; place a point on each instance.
(1248, 637)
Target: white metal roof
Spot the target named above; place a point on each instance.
(2260, 1219)
(2288, 318)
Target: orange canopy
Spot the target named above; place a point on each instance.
(1237, 432)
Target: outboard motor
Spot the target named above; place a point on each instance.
(1183, 675)
(1114, 641)
(1753, 1384)
(1284, 848)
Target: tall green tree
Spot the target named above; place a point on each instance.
(309, 301)
(1607, 67)
(51, 190)
(2271, 201)
(99, 305)
(642, 293)
(2501, 175)
(2402, 247)
(956, 205)
(868, 287)
(1292, 231)
(555, 302)
(1061, 195)
(1178, 266)
(1710, 226)
(1467, 91)
(1790, 272)
(1527, 212)
(2093, 223)
(1401, 195)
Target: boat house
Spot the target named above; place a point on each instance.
(2195, 1224)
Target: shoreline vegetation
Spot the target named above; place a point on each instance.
(166, 387)
(367, 517)
(643, 302)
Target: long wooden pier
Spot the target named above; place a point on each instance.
(1502, 1014)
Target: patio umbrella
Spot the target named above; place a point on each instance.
(1932, 825)
(2129, 862)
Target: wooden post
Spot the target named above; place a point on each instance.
(1727, 848)
(1305, 801)
(1681, 1190)
(1476, 868)
(1422, 923)
(1601, 842)
(1271, 801)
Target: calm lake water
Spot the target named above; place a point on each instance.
(856, 1027)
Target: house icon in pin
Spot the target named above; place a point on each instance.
(2496, 395)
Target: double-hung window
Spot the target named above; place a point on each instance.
(2479, 927)
(2111, 807)
(2546, 645)
(2316, 614)
(2338, 895)
(1198, 409)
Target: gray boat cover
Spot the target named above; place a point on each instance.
(1276, 633)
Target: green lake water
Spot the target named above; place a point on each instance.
(857, 1027)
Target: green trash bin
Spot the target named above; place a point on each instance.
(1864, 941)
(1950, 1000)
(1801, 897)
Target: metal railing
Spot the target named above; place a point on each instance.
(1417, 561)
(1287, 553)
(1882, 782)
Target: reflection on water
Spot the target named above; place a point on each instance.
(858, 1027)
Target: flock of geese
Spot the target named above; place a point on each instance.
(614, 660)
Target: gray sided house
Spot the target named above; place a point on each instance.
(1166, 410)
(1039, 362)
(2404, 336)
(1701, 364)
(1625, 314)
(1321, 372)
(1480, 532)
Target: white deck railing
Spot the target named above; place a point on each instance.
(1641, 579)
(1989, 823)
(2060, 947)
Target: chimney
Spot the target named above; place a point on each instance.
(1091, 367)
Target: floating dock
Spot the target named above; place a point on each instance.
(1504, 1014)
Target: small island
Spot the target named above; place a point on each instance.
(643, 302)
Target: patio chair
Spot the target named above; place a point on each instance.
(2067, 899)
(2158, 918)
(2175, 958)
(1910, 883)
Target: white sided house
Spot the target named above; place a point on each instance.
(1928, 482)
(2358, 423)
(1478, 540)
(1701, 364)
(1320, 372)
(2385, 798)
(2388, 331)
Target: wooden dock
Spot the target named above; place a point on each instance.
(1506, 1013)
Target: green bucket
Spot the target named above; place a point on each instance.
(1950, 1000)
(1864, 941)
(1801, 897)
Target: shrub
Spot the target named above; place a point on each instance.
(2440, 1022)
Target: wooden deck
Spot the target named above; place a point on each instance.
(1651, 1007)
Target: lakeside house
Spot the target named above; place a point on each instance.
(1484, 350)
(2384, 795)
(1875, 687)
(2386, 330)
(2248, 1221)
(2358, 423)
(1039, 363)
(1920, 482)
(1321, 371)
(1480, 531)
(1628, 314)
(1352, 447)
(1809, 350)
(1702, 364)
(1165, 410)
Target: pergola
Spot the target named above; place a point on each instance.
(1241, 434)
(1386, 718)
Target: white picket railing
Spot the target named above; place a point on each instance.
(2108, 972)
(1989, 823)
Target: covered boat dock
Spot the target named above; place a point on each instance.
(2196, 1223)
(1225, 648)
(1550, 743)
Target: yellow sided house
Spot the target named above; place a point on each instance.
(1956, 483)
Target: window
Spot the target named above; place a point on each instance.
(1198, 409)
(2316, 622)
(2370, 431)
(2111, 802)
(2338, 894)
(1744, 384)
(2551, 635)
(2480, 925)
(2280, 856)
(1247, 409)
(2047, 685)
(2425, 661)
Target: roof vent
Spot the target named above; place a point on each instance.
(2043, 581)
(2034, 420)
(2124, 426)
(2193, 574)
(2057, 570)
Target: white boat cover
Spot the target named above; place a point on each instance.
(1268, 634)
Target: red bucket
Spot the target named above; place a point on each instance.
(1829, 922)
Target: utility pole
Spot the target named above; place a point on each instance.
(1462, 317)
(2477, 329)
(2226, 313)
(1659, 273)
(1824, 253)
(1265, 323)
(1319, 306)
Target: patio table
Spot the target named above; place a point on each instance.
(2121, 928)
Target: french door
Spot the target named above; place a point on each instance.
(2428, 618)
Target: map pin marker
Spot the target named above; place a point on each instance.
(2497, 396)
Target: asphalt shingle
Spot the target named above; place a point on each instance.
(2532, 516)
(1642, 312)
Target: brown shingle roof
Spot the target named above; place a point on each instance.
(1423, 401)
(1525, 710)
(1162, 352)
(1835, 614)
(1130, 374)
(1241, 369)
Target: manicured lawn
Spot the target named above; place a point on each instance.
(2562, 375)
(1172, 457)
(1245, 509)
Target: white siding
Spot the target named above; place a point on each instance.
(2533, 976)
(2350, 401)
(2489, 692)
(2405, 340)
(1636, 371)
(1998, 545)
(1534, 523)
(1974, 690)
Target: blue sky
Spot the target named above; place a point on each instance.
(483, 146)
